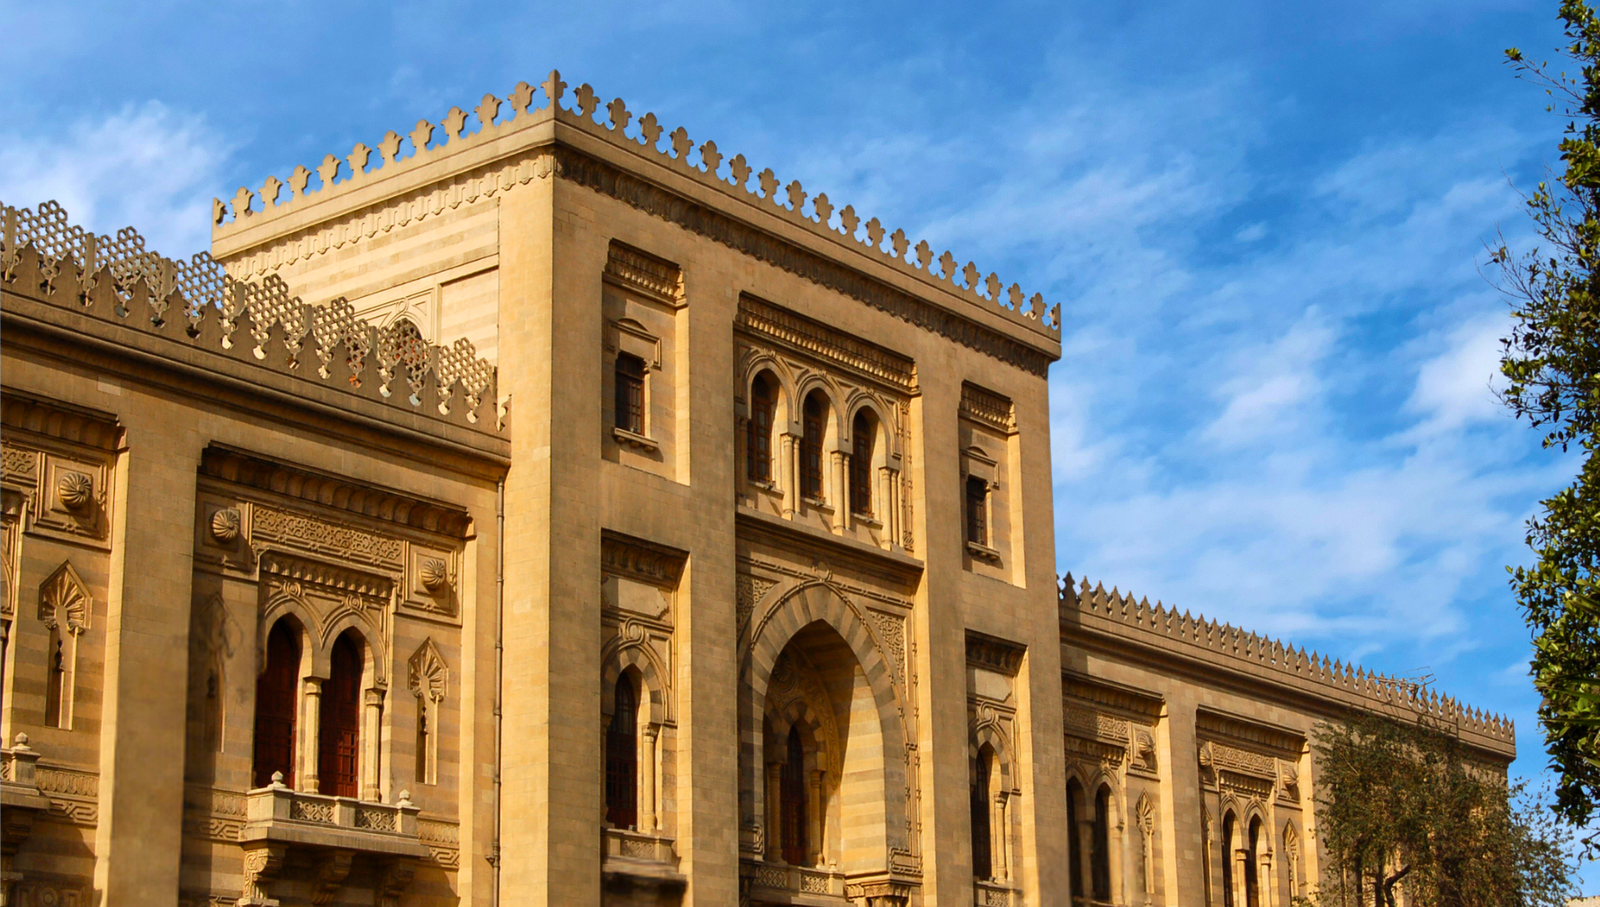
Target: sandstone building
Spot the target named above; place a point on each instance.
(540, 509)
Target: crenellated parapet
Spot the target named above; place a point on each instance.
(1134, 618)
(198, 308)
(481, 144)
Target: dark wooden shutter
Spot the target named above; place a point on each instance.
(339, 744)
(276, 707)
(622, 758)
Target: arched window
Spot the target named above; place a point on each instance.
(629, 404)
(1100, 845)
(815, 413)
(1074, 836)
(339, 741)
(622, 757)
(862, 431)
(1227, 859)
(758, 446)
(276, 706)
(1252, 884)
(793, 785)
(982, 844)
(977, 510)
(55, 691)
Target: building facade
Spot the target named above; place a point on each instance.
(541, 509)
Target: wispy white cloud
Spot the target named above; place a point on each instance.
(147, 166)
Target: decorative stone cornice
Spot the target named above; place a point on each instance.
(644, 273)
(306, 484)
(1131, 620)
(1130, 703)
(801, 333)
(638, 559)
(1248, 734)
(988, 408)
(994, 654)
(62, 421)
(503, 130)
(196, 315)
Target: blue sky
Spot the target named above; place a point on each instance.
(1264, 225)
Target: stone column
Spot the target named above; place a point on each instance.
(841, 490)
(774, 811)
(1000, 838)
(789, 467)
(814, 802)
(649, 821)
(310, 732)
(889, 496)
(372, 745)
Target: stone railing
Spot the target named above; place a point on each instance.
(495, 120)
(1209, 638)
(637, 845)
(277, 804)
(195, 304)
(804, 880)
(990, 894)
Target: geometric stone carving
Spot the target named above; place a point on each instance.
(64, 597)
(429, 677)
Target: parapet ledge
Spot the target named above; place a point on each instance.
(496, 119)
(197, 306)
(1138, 617)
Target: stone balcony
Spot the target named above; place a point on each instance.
(994, 894)
(780, 883)
(332, 832)
(640, 867)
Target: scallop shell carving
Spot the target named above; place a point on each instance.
(75, 490)
(226, 524)
(433, 574)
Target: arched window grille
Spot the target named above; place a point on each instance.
(339, 740)
(982, 843)
(758, 446)
(862, 433)
(622, 757)
(792, 783)
(276, 706)
(977, 510)
(1100, 845)
(629, 403)
(814, 426)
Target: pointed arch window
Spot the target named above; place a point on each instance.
(862, 431)
(622, 757)
(339, 740)
(1074, 837)
(982, 845)
(815, 425)
(1252, 881)
(1100, 845)
(1227, 859)
(792, 783)
(758, 444)
(276, 706)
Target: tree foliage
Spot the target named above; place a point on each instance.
(1403, 807)
(1552, 365)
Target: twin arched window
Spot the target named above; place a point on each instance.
(1098, 845)
(338, 717)
(1250, 850)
